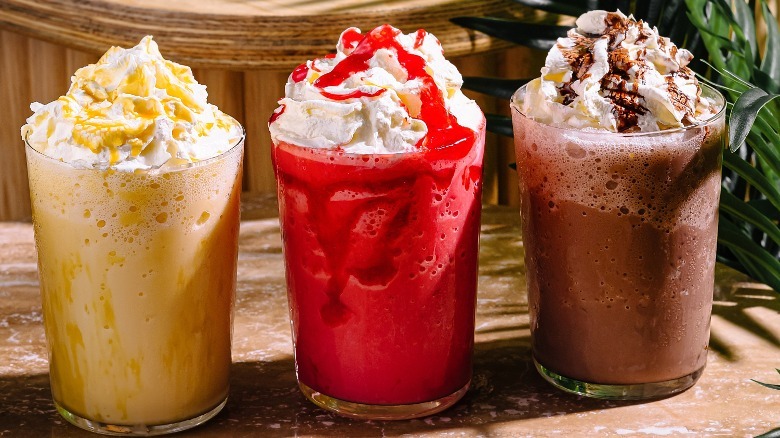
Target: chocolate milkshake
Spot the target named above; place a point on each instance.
(618, 152)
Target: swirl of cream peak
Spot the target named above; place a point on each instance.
(131, 110)
(381, 92)
(616, 73)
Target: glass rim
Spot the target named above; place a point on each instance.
(714, 93)
(341, 152)
(151, 170)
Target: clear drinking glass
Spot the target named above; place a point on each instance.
(381, 261)
(138, 276)
(620, 233)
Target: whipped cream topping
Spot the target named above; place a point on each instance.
(131, 110)
(616, 73)
(382, 92)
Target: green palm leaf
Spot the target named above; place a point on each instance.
(535, 36)
(744, 113)
(754, 177)
(774, 433)
(767, 266)
(772, 387)
(496, 87)
(764, 81)
(652, 11)
(770, 65)
(766, 208)
(744, 23)
(764, 140)
(564, 7)
(740, 209)
(497, 124)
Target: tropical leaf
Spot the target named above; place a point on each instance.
(535, 36)
(774, 433)
(754, 177)
(501, 125)
(713, 29)
(767, 267)
(497, 87)
(744, 113)
(742, 210)
(746, 26)
(726, 12)
(564, 7)
(772, 387)
(771, 62)
(650, 11)
(766, 145)
(764, 81)
(766, 208)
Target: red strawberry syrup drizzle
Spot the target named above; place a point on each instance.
(350, 38)
(300, 73)
(279, 111)
(351, 95)
(443, 127)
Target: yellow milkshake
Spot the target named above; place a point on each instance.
(135, 185)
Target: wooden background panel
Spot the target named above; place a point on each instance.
(518, 62)
(226, 91)
(32, 71)
(74, 60)
(484, 65)
(49, 70)
(262, 90)
(15, 98)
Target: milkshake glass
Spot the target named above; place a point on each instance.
(381, 258)
(137, 261)
(380, 247)
(619, 151)
(619, 231)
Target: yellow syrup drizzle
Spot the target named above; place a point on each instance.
(110, 115)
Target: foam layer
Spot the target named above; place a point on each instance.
(646, 176)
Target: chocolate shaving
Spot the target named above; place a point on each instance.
(579, 57)
(679, 100)
(627, 108)
(568, 93)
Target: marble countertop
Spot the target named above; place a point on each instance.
(507, 397)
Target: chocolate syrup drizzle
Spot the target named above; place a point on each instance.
(617, 85)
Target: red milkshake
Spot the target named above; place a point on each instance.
(619, 187)
(381, 250)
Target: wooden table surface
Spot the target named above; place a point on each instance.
(507, 398)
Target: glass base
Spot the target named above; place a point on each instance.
(382, 412)
(137, 429)
(637, 391)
